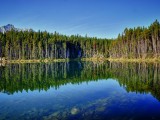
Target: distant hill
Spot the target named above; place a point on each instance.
(9, 27)
(6, 28)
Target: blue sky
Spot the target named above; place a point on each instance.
(100, 18)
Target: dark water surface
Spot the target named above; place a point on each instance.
(80, 91)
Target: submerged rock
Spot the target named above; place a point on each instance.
(74, 111)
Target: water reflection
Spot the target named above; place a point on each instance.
(80, 90)
(138, 77)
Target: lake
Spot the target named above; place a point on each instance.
(80, 91)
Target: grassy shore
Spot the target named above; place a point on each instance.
(134, 60)
(122, 59)
(82, 59)
(94, 59)
(35, 61)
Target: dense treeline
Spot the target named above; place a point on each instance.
(134, 77)
(140, 42)
(43, 45)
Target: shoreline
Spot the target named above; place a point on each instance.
(148, 60)
(34, 61)
(82, 59)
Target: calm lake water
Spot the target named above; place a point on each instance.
(80, 91)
